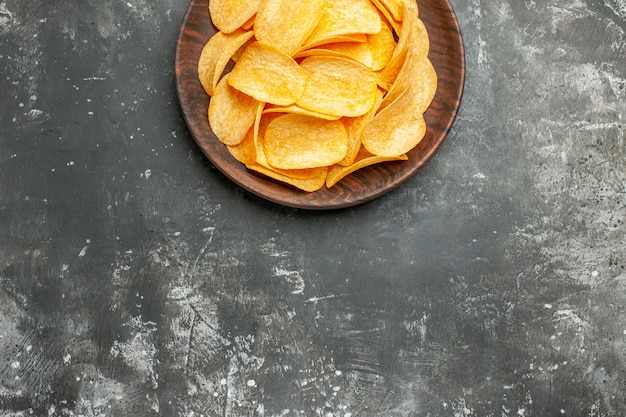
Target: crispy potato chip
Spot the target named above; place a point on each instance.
(362, 160)
(249, 25)
(387, 16)
(286, 24)
(396, 129)
(388, 74)
(261, 159)
(230, 15)
(358, 51)
(338, 86)
(268, 75)
(295, 109)
(345, 17)
(382, 45)
(418, 75)
(244, 151)
(354, 126)
(306, 184)
(395, 7)
(231, 113)
(295, 141)
(375, 52)
(215, 56)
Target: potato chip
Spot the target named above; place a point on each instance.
(362, 160)
(230, 15)
(268, 75)
(295, 141)
(215, 56)
(358, 51)
(395, 7)
(394, 130)
(388, 74)
(345, 17)
(387, 16)
(382, 45)
(295, 109)
(286, 24)
(231, 113)
(418, 75)
(338, 86)
(244, 151)
(354, 126)
(375, 52)
(311, 184)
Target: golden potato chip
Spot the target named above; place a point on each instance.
(294, 141)
(231, 113)
(215, 56)
(354, 126)
(337, 86)
(244, 151)
(249, 25)
(230, 15)
(374, 52)
(268, 75)
(387, 16)
(358, 51)
(382, 46)
(261, 159)
(363, 159)
(311, 184)
(396, 129)
(286, 24)
(418, 75)
(395, 7)
(388, 74)
(295, 109)
(345, 17)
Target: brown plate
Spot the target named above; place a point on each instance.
(446, 54)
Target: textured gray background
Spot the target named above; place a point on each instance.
(136, 280)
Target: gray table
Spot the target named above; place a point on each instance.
(136, 280)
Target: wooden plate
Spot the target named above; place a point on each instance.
(446, 54)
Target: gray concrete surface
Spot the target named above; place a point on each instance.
(135, 280)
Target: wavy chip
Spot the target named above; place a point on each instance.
(230, 15)
(215, 56)
(337, 86)
(345, 17)
(286, 24)
(394, 130)
(231, 113)
(295, 141)
(363, 159)
(268, 75)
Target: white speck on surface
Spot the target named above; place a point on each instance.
(147, 173)
(547, 306)
(67, 359)
(251, 383)
(83, 251)
(292, 277)
(595, 274)
(15, 364)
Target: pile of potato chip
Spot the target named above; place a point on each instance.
(319, 88)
